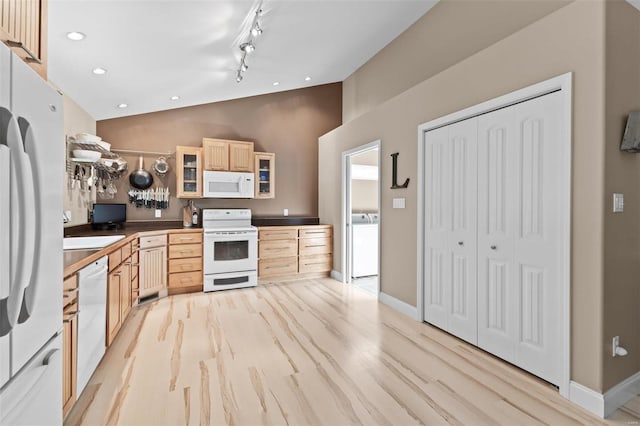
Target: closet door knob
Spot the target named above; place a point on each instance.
(494, 247)
(460, 243)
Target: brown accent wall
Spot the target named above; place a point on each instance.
(621, 287)
(571, 39)
(450, 32)
(286, 123)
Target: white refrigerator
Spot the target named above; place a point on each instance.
(31, 181)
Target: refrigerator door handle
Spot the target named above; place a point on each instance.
(22, 221)
(34, 207)
(33, 381)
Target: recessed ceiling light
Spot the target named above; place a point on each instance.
(123, 105)
(276, 83)
(99, 71)
(174, 98)
(75, 36)
(307, 78)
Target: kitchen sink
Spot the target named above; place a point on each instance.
(77, 243)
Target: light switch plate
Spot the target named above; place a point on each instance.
(285, 212)
(158, 213)
(618, 203)
(399, 203)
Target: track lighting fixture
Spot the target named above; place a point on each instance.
(256, 30)
(247, 46)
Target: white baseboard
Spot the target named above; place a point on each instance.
(336, 275)
(398, 305)
(586, 398)
(604, 405)
(621, 393)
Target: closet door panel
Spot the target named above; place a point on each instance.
(496, 228)
(463, 238)
(537, 249)
(437, 303)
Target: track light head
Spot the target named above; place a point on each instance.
(247, 47)
(243, 66)
(256, 30)
(238, 77)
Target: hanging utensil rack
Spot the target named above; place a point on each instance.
(139, 152)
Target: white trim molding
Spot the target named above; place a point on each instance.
(603, 405)
(561, 83)
(586, 398)
(336, 275)
(398, 305)
(345, 215)
(621, 393)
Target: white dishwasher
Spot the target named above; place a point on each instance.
(92, 318)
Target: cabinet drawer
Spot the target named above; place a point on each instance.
(126, 250)
(277, 248)
(153, 241)
(115, 259)
(277, 266)
(315, 232)
(185, 279)
(185, 265)
(186, 238)
(308, 246)
(185, 250)
(70, 283)
(317, 263)
(277, 234)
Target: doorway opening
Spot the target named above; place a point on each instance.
(361, 217)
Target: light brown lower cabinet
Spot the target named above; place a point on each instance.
(114, 287)
(70, 343)
(70, 363)
(294, 250)
(152, 264)
(185, 262)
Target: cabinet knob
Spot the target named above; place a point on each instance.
(460, 243)
(494, 247)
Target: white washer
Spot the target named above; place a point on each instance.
(364, 261)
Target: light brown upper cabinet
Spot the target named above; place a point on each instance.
(23, 27)
(188, 172)
(227, 155)
(265, 167)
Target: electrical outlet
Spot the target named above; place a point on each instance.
(286, 212)
(158, 213)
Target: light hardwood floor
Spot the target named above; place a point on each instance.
(307, 352)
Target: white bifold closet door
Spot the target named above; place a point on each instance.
(451, 190)
(511, 245)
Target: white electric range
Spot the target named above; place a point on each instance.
(230, 249)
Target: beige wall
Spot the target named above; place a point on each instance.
(286, 123)
(76, 120)
(364, 196)
(622, 174)
(434, 43)
(568, 40)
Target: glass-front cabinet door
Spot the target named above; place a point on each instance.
(189, 172)
(265, 170)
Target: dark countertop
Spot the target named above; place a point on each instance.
(129, 228)
(74, 260)
(284, 220)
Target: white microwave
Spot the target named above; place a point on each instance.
(227, 185)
